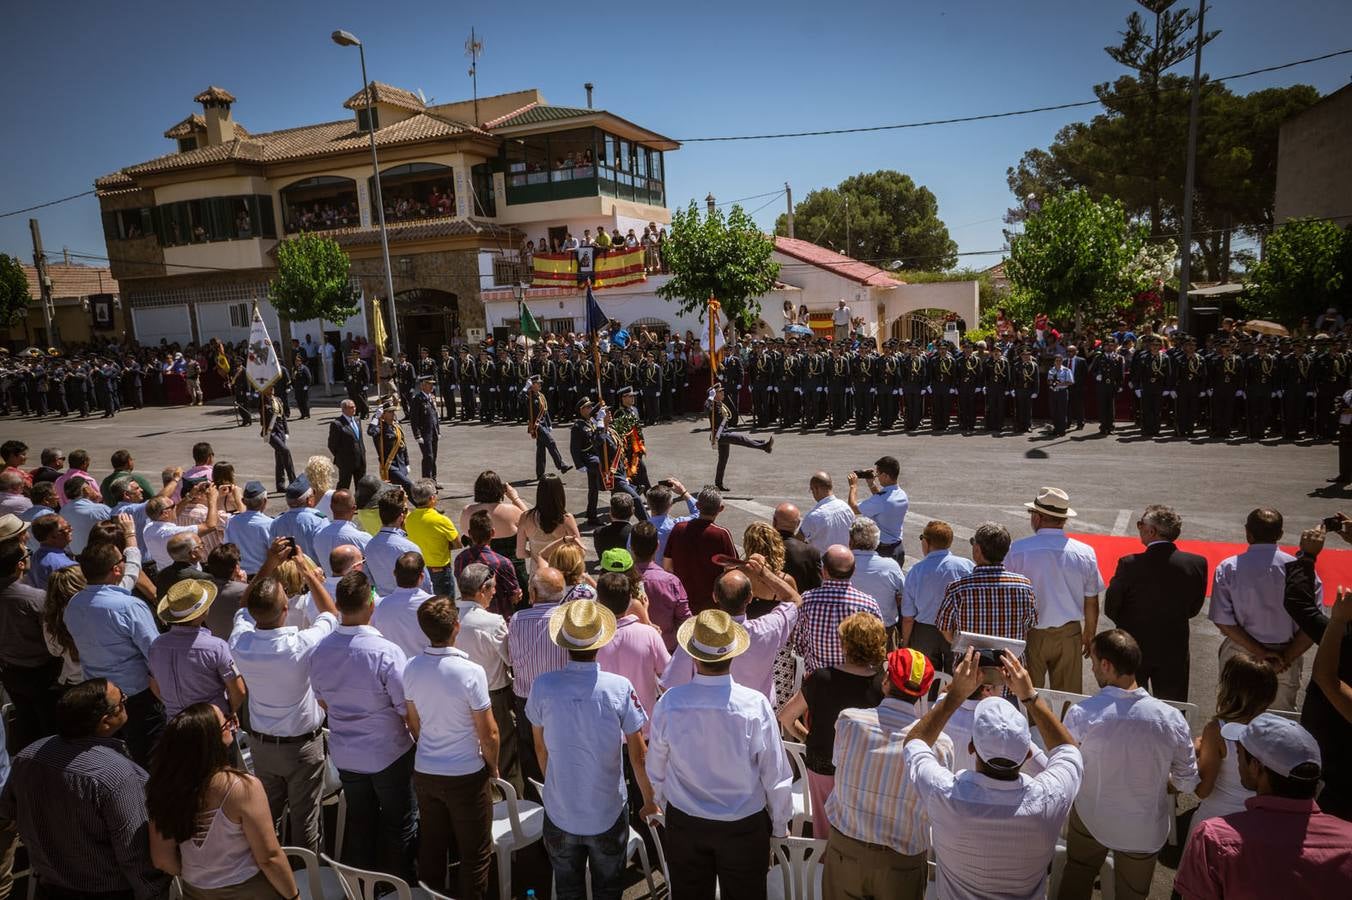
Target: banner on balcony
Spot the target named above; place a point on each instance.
(605, 268)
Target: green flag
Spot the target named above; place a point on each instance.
(529, 326)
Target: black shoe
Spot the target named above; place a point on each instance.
(564, 470)
(723, 487)
(770, 445)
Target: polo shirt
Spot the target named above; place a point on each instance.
(585, 714)
(383, 552)
(251, 532)
(396, 618)
(113, 631)
(47, 560)
(1063, 571)
(301, 523)
(638, 654)
(434, 534)
(880, 577)
(447, 688)
(106, 486)
(888, 509)
(691, 549)
(339, 533)
(358, 675)
(275, 664)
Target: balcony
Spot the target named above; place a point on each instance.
(583, 162)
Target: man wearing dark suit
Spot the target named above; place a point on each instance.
(346, 445)
(1320, 717)
(1152, 596)
(801, 559)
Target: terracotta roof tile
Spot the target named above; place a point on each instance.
(247, 149)
(214, 94)
(187, 127)
(386, 93)
(842, 265)
(114, 181)
(72, 281)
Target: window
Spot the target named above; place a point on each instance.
(239, 316)
(319, 203)
(128, 224)
(186, 144)
(368, 119)
(417, 191)
(481, 178)
(214, 219)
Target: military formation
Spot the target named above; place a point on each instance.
(48, 383)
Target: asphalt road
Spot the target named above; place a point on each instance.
(964, 480)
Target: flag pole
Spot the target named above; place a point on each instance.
(600, 400)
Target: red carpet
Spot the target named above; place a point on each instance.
(1333, 566)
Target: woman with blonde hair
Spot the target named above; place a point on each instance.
(567, 555)
(1247, 687)
(61, 586)
(301, 611)
(761, 538)
(323, 476)
(854, 684)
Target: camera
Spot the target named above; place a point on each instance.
(1333, 523)
(293, 550)
(866, 474)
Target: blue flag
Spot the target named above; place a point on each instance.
(596, 320)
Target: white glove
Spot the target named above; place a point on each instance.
(1032, 396)
(1239, 393)
(1098, 377)
(1138, 392)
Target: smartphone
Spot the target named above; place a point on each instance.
(1333, 523)
(865, 474)
(665, 482)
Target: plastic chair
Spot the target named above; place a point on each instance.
(634, 846)
(360, 884)
(333, 795)
(802, 795)
(940, 687)
(797, 870)
(1192, 714)
(320, 882)
(516, 824)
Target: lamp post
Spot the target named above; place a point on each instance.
(348, 39)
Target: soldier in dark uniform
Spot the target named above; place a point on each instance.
(813, 382)
(1227, 384)
(1190, 381)
(1297, 384)
(624, 373)
(41, 390)
(469, 385)
(426, 426)
(78, 387)
(610, 377)
(650, 383)
(1108, 368)
(732, 373)
(520, 373)
(1261, 384)
(1151, 374)
(241, 389)
(60, 402)
(540, 426)
(942, 385)
(1330, 380)
(489, 388)
(281, 389)
(672, 370)
(132, 380)
(761, 376)
(995, 386)
(1026, 379)
(585, 450)
(357, 380)
(969, 384)
(111, 377)
(275, 432)
(405, 379)
(721, 435)
(22, 388)
(391, 451)
(887, 380)
(302, 378)
(838, 385)
(790, 385)
(425, 365)
(448, 375)
(584, 376)
(862, 383)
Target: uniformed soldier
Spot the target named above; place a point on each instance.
(650, 383)
(838, 386)
(357, 381)
(969, 386)
(732, 373)
(761, 375)
(78, 387)
(41, 384)
(564, 390)
(301, 380)
(426, 426)
(672, 370)
(520, 372)
(391, 450)
(721, 435)
(585, 450)
(1108, 368)
(275, 432)
(632, 477)
(1151, 375)
(1226, 385)
(540, 426)
(862, 383)
(1261, 384)
(1297, 381)
(1025, 378)
(1330, 380)
(996, 385)
(1189, 384)
(448, 376)
(489, 388)
(942, 387)
(814, 386)
(132, 381)
(469, 385)
(790, 385)
(405, 381)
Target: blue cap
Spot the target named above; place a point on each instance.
(298, 489)
(254, 489)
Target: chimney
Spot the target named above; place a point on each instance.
(216, 110)
(589, 86)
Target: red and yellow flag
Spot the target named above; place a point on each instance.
(609, 268)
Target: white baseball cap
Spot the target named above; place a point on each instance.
(999, 731)
(1280, 744)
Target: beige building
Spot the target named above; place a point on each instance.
(1314, 159)
(85, 308)
(191, 234)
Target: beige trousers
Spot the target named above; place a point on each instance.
(1057, 652)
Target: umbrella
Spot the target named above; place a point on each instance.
(1262, 326)
(797, 329)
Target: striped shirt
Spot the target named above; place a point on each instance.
(871, 800)
(530, 648)
(81, 810)
(993, 601)
(814, 637)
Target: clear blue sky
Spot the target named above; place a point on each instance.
(92, 86)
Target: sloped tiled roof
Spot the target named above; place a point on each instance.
(72, 281)
(386, 93)
(214, 94)
(536, 113)
(114, 181)
(195, 124)
(838, 263)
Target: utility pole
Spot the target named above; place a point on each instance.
(788, 193)
(847, 224)
(1185, 265)
(44, 283)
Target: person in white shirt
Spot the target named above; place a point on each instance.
(446, 694)
(840, 321)
(829, 521)
(483, 638)
(1134, 747)
(887, 504)
(396, 615)
(877, 575)
(718, 768)
(160, 526)
(285, 720)
(1066, 588)
(994, 828)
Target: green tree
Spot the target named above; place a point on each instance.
(887, 217)
(14, 296)
(1306, 268)
(1075, 258)
(729, 259)
(313, 280)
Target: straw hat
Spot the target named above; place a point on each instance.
(1052, 502)
(581, 625)
(186, 601)
(712, 636)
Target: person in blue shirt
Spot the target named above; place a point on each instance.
(113, 631)
(301, 520)
(886, 505)
(1060, 378)
(924, 590)
(53, 535)
(251, 530)
(390, 543)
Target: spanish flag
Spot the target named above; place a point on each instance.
(609, 268)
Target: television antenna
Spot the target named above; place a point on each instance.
(474, 48)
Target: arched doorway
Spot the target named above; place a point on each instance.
(427, 318)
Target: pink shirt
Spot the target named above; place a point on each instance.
(756, 667)
(1274, 845)
(60, 485)
(637, 653)
(667, 603)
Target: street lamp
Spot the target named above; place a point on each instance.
(348, 39)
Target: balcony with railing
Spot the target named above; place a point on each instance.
(582, 162)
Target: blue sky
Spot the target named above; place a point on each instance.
(90, 87)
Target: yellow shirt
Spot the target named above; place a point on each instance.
(369, 520)
(434, 534)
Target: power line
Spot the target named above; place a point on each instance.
(766, 203)
(988, 116)
(19, 212)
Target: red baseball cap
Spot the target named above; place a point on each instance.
(910, 671)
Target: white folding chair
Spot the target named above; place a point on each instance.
(653, 823)
(802, 794)
(1193, 716)
(1292, 714)
(516, 824)
(634, 847)
(360, 884)
(320, 882)
(334, 795)
(797, 870)
(940, 687)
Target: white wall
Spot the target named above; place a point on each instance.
(961, 297)
(168, 322)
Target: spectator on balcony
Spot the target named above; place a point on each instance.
(616, 238)
(602, 239)
(630, 239)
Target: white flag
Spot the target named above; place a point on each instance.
(262, 366)
(719, 340)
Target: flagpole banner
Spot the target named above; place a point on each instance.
(379, 334)
(596, 319)
(262, 366)
(530, 327)
(604, 268)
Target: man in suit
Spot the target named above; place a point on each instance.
(346, 445)
(1152, 596)
(426, 425)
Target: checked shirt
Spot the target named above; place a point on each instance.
(815, 637)
(991, 600)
